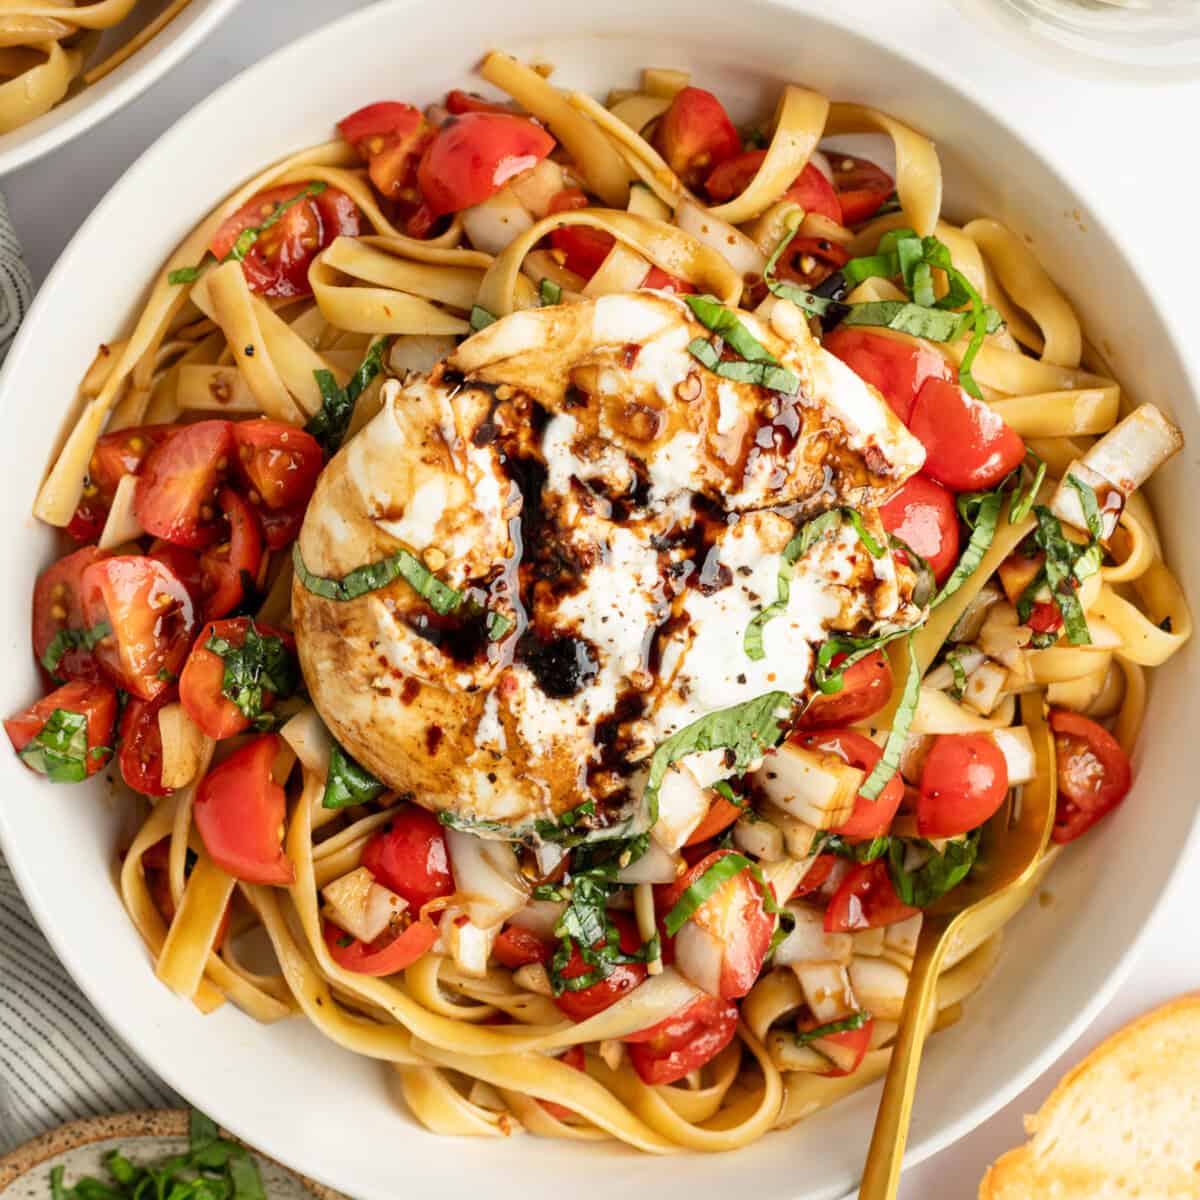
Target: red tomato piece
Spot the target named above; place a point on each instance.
(924, 516)
(721, 814)
(459, 102)
(870, 818)
(722, 946)
(371, 958)
(816, 875)
(814, 193)
(87, 521)
(239, 811)
(866, 688)
(623, 977)
(851, 1047)
(140, 758)
(178, 483)
(229, 571)
(278, 261)
(683, 1043)
(695, 135)
(410, 856)
(896, 369)
(279, 465)
(583, 250)
(95, 701)
(151, 616)
(811, 260)
(1045, 617)
(658, 280)
(1094, 774)
(473, 156)
(866, 899)
(861, 186)
(391, 138)
(516, 947)
(968, 447)
(116, 455)
(58, 617)
(964, 780)
(186, 566)
(732, 177)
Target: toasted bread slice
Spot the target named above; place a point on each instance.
(1123, 1125)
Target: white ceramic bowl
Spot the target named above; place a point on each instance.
(284, 1088)
(91, 105)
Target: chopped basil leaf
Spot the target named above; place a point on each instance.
(183, 275)
(954, 661)
(915, 319)
(497, 625)
(404, 565)
(925, 586)
(337, 403)
(717, 875)
(202, 1130)
(984, 508)
(568, 828)
(845, 1025)
(714, 316)
(860, 852)
(1022, 501)
(889, 763)
(260, 664)
(723, 789)
(935, 877)
(70, 639)
(480, 318)
(550, 292)
(246, 239)
(874, 549)
(59, 749)
(345, 941)
(1091, 508)
(348, 783)
(1064, 559)
(855, 649)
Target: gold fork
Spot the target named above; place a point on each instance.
(1004, 876)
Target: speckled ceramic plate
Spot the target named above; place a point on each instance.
(148, 1136)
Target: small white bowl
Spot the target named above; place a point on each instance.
(286, 1089)
(89, 106)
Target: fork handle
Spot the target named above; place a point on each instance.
(881, 1175)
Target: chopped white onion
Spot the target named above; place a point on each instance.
(360, 906)
(699, 955)
(827, 990)
(122, 524)
(496, 222)
(985, 687)
(902, 936)
(1017, 747)
(419, 352)
(535, 189)
(533, 977)
(759, 838)
(732, 244)
(540, 917)
(808, 942)
(880, 986)
(966, 628)
(818, 160)
(487, 878)
(657, 865)
(816, 787)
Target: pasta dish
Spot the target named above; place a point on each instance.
(562, 586)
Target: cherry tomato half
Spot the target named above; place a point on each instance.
(140, 758)
(866, 688)
(178, 483)
(584, 250)
(410, 856)
(116, 455)
(391, 137)
(374, 958)
(151, 616)
(683, 1043)
(695, 135)
(817, 875)
(870, 818)
(923, 515)
(866, 899)
(279, 465)
(229, 570)
(968, 447)
(861, 186)
(278, 261)
(810, 190)
(814, 193)
(95, 701)
(459, 102)
(58, 614)
(658, 280)
(473, 156)
(721, 814)
(851, 1044)
(964, 780)
(623, 977)
(811, 260)
(239, 811)
(1094, 774)
(896, 369)
(516, 947)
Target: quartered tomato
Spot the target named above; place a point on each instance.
(695, 135)
(229, 570)
(140, 758)
(923, 515)
(186, 566)
(721, 814)
(810, 189)
(870, 818)
(683, 1043)
(808, 261)
(201, 684)
(658, 280)
(239, 811)
(391, 138)
(1094, 774)
(97, 702)
(410, 856)
(473, 156)
(732, 176)
(866, 688)
(116, 455)
(384, 956)
(151, 616)
(722, 946)
(814, 193)
(861, 186)
(59, 629)
(964, 780)
(866, 899)
(298, 230)
(850, 1047)
(459, 102)
(623, 978)
(279, 465)
(584, 250)
(178, 482)
(968, 447)
(516, 947)
(897, 369)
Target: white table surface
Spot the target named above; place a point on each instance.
(1126, 133)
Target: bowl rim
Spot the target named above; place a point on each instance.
(1030, 142)
(133, 77)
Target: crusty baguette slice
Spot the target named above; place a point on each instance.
(1123, 1125)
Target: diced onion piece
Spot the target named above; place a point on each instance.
(789, 1055)
(784, 876)
(467, 943)
(360, 906)
(644, 203)
(968, 625)
(902, 936)
(496, 222)
(798, 836)
(665, 82)
(880, 986)
(122, 524)
(488, 878)
(1017, 747)
(533, 977)
(1002, 632)
(882, 1032)
(732, 244)
(698, 955)
(869, 942)
(985, 687)
(828, 991)
(818, 160)
(540, 917)
(942, 676)
(808, 942)
(538, 187)
(419, 352)
(612, 1052)
(843, 1057)
(483, 1095)
(684, 796)
(548, 856)
(183, 745)
(656, 865)
(758, 837)
(816, 787)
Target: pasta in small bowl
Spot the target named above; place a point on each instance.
(561, 567)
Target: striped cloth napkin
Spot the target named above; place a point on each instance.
(58, 1060)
